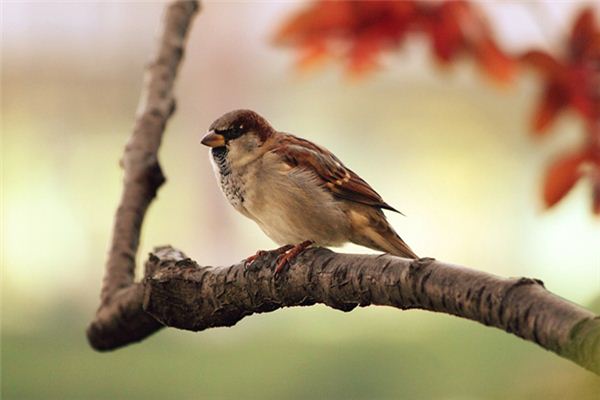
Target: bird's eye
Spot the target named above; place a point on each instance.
(233, 132)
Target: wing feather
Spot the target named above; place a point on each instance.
(341, 181)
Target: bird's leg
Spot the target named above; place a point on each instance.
(261, 253)
(292, 252)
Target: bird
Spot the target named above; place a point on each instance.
(299, 193)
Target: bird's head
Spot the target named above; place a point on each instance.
(240, 133)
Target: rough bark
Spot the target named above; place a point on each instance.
(184, 295)
(178, 292)
(118, 314)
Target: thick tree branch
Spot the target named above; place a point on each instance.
(178, 292)
(184, 295)
(118, 314)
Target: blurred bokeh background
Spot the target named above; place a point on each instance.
(445, 146)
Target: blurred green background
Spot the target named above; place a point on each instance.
(458, 159)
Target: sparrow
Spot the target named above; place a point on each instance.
(297, 192)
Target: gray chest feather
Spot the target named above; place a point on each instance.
(231, 182)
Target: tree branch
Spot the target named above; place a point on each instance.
(178, 292)
(118, 314)
(184, 295)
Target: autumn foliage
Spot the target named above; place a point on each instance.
(358, 33)
(572, 81)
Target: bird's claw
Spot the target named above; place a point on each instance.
(249, 262)
(290, 253)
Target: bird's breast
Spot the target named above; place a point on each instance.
(291, 207)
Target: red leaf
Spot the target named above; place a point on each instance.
(582, 35)
(561, 177)
(446, 33)
(553, 101)
(311, 55)
(543, 61)
(493, 61)
(596, 198)
(595, 179)
(317, 21)
(363, 54)
(357, 31)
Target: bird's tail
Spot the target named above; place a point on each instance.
(374, 231)
(396, 246)
(384, 238)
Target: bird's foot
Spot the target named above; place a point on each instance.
(290, 253)
(249, 262)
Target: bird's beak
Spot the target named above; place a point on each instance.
(212, 139)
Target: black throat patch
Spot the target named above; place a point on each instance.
(220, 156)
(231, 184)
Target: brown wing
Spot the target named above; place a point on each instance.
(341, 181)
